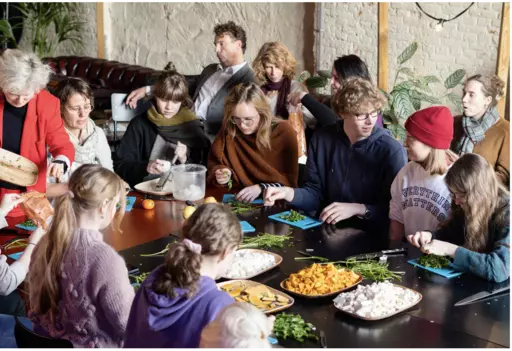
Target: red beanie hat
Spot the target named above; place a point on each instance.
(432, 126)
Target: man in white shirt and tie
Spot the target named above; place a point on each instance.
(210, 88)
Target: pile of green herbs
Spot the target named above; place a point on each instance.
(240, 207)
(292, 216)
(138, 279)
(434, 261)
(265, 241)
(370, 269)
(293, 326)
(28, 223)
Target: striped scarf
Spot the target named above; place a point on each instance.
(474, 130)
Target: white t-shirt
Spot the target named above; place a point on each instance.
(419, 200)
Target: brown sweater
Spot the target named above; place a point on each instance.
(250, 166)
(495, 147)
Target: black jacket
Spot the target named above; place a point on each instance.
(132, 156)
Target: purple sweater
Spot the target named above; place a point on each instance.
(96, 294)
(157, 321)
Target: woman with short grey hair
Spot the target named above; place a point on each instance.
(30, 121)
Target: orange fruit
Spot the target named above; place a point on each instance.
(148, 204)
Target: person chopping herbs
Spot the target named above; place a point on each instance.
(253, 150)
(11, 276)
(179, 298)
(477, 233)
(30, 120)
(351, 165)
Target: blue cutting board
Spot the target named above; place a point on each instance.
(246, 227)
(30, 228)
(15, 256)
(306, 223)
(448, 272)
(228, 197)
(130, 201)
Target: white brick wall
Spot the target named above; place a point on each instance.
(151, 34)
(470, 42)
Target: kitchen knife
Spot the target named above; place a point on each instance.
(163, 179)
(481, 295)
(371, 255)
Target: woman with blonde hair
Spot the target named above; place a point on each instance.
(253, 150)
(30, 120)
(351, 164)
(78, 285)
(274, 69)
(167, 129)
(480, 129)
(179, 298)
(420, 199)
(477, 233)
(239, 325)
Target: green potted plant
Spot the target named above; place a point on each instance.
(48, 24)
(411, 92)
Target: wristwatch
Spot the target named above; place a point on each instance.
(366, 213)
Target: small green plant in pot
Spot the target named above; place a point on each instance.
(412, 92)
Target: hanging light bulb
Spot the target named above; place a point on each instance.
(439, 26)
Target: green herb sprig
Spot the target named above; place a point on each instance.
(138, 279)
(159, 253)
(293, 326)
(434, 261)
(240, 207)
(372, 270)
(293, 216)
(311, 258)
(266, 241)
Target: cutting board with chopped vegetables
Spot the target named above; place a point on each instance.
(296, 219)
(17, 169)
(447, 272)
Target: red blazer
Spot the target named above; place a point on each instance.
(43, 127)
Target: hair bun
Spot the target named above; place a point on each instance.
(498, 86)
(170, 67)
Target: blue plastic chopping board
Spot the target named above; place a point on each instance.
(30, 228)
(306, 223)
(228, 197)
(15, 256)
(246, 227)
(448, 272)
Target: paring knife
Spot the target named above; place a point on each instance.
(163, 179)
(478, 297)
(371, 255)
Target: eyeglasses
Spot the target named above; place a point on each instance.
(77, 109)
(247, 121)
(362, 117)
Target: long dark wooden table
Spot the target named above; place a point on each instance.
(434, 322)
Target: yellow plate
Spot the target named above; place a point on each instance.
(278, 260)
(250, 284)
(389, 315)
(283, 286)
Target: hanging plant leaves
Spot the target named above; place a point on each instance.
(398, 131)
(303, 76)
(454, 99)
(454, 79)
(316, 82)
(416, 103)
(407, 53)
(424, 97)
(407, 71)
(406, 85)
(324, 74)
(430, 79)
(402, 105)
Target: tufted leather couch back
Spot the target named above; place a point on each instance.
(105, 77)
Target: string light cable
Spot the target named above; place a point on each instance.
(442, 21)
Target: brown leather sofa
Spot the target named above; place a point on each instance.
(105, 77)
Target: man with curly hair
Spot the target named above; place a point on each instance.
(210, 88)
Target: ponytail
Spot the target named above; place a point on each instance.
(211, 230)
(90, 186)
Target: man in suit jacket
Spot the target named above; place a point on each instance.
(210, 88)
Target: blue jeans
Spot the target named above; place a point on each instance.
(7, 324)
